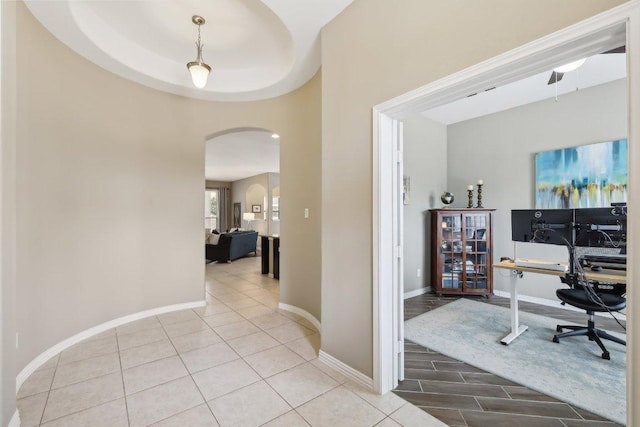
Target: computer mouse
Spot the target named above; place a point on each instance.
(596, 268)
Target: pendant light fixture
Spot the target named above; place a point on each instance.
(570, 66)
(198, 69)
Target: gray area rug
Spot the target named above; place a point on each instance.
(571, 371)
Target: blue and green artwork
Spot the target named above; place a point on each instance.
(587, 176)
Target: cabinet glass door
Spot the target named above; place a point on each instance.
(451, 252)
(475, 233)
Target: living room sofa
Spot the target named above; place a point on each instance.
(233, 245)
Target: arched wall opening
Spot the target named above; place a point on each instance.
(241, 165)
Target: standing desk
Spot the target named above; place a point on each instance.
(613, 276)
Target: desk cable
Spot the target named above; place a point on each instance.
(579, 276)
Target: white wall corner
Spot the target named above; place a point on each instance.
(305, 314)
(63, 345)
(417, 292)
(346, 370)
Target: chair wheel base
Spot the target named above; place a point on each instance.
(558, 328)
(555, 339)
(606, 355)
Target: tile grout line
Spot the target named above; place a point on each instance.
(463, 417)
(192, 379)
(258, 374)
(44, 408)
(75, 412)
(580, 418)
(507, 393)
(85, 409)
(124, 387)
(263, 379)
(240, 357)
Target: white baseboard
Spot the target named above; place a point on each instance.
(15, 420)
(417, 292)
(63, 345)
(346, 370)
(555, 303)
(300, 312)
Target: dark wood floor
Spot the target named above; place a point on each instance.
(462, 395)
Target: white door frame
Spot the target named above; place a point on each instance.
(398, 275)
(384, 280)
(577, 41)
(389, 222)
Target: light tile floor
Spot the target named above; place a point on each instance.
(239, 361)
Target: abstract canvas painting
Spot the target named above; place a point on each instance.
(587, 176)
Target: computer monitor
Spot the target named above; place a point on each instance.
(550, 226)
(602, 227)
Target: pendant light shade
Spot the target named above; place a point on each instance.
(198, 69)
(199, 73)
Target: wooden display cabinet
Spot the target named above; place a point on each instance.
(461, 251)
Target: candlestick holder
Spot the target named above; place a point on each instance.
(479, 196)
(470, 195)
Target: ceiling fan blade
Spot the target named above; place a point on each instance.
(619, 49)
(555, 77)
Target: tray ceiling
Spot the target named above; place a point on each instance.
(257, 49)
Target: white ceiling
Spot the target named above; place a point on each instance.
(257, 49)
(241, 154)
(596, 70)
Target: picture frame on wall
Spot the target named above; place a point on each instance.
(237, 215)
(586, 176)
(256, 208)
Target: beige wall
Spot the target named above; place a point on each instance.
(251, 191)
(110, 178)
(373, 51)
(300, 173)
(7, 211)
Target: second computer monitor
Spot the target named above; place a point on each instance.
(602, 227)
(550, 226)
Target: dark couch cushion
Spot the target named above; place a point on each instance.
(232, 246)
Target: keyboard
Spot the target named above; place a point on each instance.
(541, 264)
(606, 261)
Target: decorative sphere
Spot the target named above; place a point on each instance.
(447, 198)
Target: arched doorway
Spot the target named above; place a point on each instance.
(241, 164)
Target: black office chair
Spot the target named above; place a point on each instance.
(579, 297)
